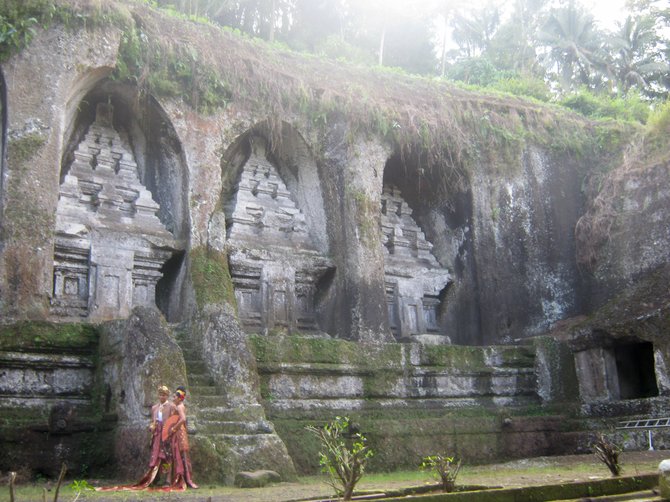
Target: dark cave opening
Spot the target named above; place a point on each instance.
(635, 369)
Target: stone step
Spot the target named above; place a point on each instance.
(181, 338)
(209, 427)
(197, 372)
(196, 366)
(206, 401)
(190, 353)
(204, 390)
(245, 442)
(199, 379)
(246, 414)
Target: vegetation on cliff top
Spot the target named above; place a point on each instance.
(444, 129)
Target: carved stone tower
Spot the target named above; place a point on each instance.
(110, 246)
(274, 265)
(414, 278)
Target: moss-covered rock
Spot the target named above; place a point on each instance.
(212, 463)
(210, 277)
(47, 336)
(137, 355)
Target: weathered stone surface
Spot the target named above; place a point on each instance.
(414, 279)
(503, 237)
(256, 479)
(274, 264)
(230, 362)
(448, 375)
(110, 245)
(664, 478)
(137, 356)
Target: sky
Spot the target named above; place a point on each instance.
(606, 12)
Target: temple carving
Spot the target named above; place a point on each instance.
(110, 245)
(414, 279)
(274, 264)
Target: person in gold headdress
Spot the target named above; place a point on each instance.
(181, 472)
(159, 461)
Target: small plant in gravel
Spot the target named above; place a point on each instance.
(444, 468)
(343, 456)
(608, 453)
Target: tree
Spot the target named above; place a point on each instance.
(373, 20)
(513, 45)
(636, 59)
(473, 30)
(409, 45)
(574, 46)
(315, 21)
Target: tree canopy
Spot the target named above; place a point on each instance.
(488, 44)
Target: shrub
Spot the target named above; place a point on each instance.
(474, 71)
(659, 119)
(443, 467)
(344, 455)
(524, 86)
(608, 453)
(631, 108)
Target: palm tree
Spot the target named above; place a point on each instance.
(473, 31)
(635, 52)
(574, 46)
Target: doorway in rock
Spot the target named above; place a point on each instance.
(635, 369)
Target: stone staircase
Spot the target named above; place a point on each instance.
(241, 430)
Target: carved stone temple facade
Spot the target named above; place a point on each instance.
(274, 264)
(110, 245)
(472, 295)
(414, 278)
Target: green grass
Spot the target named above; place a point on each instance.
(539, 471)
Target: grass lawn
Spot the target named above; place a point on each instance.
(526, 472)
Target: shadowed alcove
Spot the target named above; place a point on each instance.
(123, 165)
(275, 231)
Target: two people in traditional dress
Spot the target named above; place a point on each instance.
(170, 459)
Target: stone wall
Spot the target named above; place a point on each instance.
(51, 397)
(411, 400)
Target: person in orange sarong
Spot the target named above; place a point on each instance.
(181, 472)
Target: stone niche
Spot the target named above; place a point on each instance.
(110, 245)
(274, 264)
(613, 373)
(415, 281)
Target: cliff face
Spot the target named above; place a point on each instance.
(496, 211)
(318, 201)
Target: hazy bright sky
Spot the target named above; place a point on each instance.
(607, 12)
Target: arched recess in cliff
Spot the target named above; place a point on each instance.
(275, 226)
(441, 205)
(145, 128)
